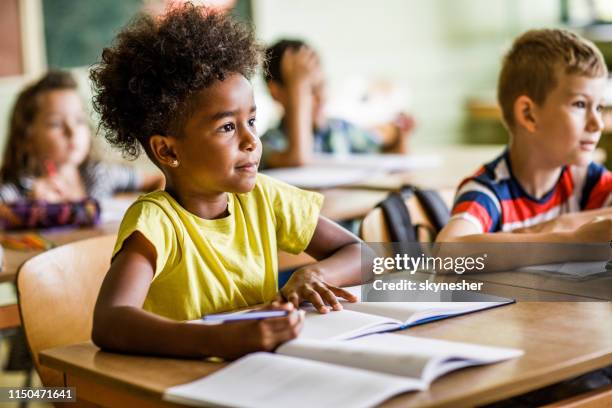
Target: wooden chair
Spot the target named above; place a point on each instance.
(374, 227)
(57, 293)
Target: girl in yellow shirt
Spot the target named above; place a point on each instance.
(177, 87)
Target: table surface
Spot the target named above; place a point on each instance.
(560, 341)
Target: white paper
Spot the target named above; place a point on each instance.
(315, 177)
(415, 357)
(378, 162)
(344, 324)
(267, 380)
(330, 170)
(412, 312)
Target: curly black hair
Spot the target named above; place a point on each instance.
(146, 80)
(274, 56)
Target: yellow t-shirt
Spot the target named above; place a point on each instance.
(210, 266)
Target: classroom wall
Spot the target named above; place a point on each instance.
(440, 51)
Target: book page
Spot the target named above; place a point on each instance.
(415, 357)
(344, 324)
(268, 380)
(441, 356)
(415, 312)
(362, 352)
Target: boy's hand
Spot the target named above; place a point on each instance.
(300, 66)
(306, 284)
(243, 337)
(598, 230)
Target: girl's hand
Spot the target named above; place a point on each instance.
(249, 336)
(48, 189)
(55, 189)
(307, 285)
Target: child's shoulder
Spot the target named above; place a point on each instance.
(492, 174)
(153, 205)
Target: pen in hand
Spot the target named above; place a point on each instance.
(234, 317)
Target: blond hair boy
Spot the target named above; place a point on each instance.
(545, 184)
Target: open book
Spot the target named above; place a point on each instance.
(363, 318)
(356, 373)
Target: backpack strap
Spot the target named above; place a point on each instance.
(435, 208)
(397, 217)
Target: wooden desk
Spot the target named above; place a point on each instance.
(457, 163)
(560, 340)
(13, 258)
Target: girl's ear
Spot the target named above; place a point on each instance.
(525, 113)
(164, 150)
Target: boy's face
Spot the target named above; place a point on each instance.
(569, 122)
(302, 67)
(219, 150)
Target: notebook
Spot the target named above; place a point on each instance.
(358, 373)
(363, 318)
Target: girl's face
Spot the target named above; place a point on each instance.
(220, 150)
(60, 134)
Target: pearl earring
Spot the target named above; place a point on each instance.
(174, 163)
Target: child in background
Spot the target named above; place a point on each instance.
(46, 157)
(544, 187)
(177, 87)
(295, 79)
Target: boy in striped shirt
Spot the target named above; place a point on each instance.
(544, 187)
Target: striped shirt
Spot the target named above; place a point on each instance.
(493, 199)
(101, 180)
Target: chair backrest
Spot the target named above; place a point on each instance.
(57, 293)
(374, 227)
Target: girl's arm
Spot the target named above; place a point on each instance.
(338, 253)
(120, 323)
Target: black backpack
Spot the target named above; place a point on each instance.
(399, 221)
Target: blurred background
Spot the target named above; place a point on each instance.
(435, 59)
